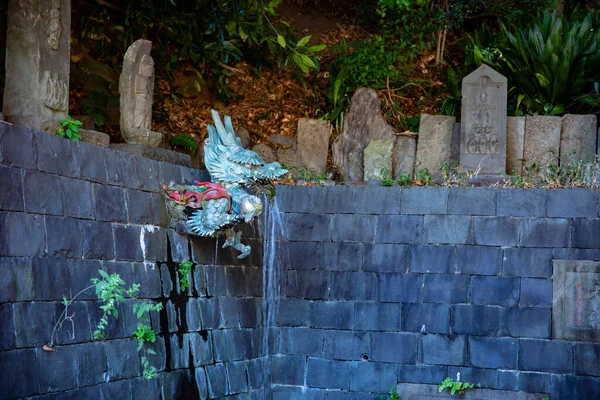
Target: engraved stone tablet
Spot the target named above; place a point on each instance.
(483, 122)
(576, 300)
(412, 391)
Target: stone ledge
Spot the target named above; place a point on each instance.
(154, 153)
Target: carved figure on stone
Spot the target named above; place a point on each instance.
(211, 208)
(54, 28)
(55, 92)
(483, 138)
(26, 19)
(136, 87)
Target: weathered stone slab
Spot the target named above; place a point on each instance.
(403, 157)
(578, 138)
(94, 137)
(37, 59)
(542, 139)
(576, 300)
(455, 153)
(283, 140)
(483, 121)
(435, 142)
(378, 156)
(412, 391)
(515, 136)
(136, 87)
(266, 152)
(362, 123)
(289, 158)
(313, 143)
(154, 153)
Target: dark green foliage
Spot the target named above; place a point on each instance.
(185, 142)
(184, 273)
(455, 386)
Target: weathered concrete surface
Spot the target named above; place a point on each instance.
(578, 138)
(313, 143)
(542, 139)
(515, 137)
(403, 157)
(434, 145)
(362, 124)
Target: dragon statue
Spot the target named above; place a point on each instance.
(211, 208)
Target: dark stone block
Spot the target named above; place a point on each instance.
(146, 389)
(155, 243)
(115, 327)
(139, 207)
(422, 374)
(92, 165)
(11, 195)
(51, 279)
(58, 370)
(55, 154)
(399, 229)
(22, 234)
(292, 312)
(472, 201)
(385, 257)
(192, 315)
(178, 245)
(216, 280)
(495, 290)
(447, 229)
(189, 175)
(122, 358)
(586, 358)
(575, 387)
(586, 232)
(16, 146)
(78, 199)
(295, 199)
(28, 333)
(308, 284)
(477, 260)
(354, 228)
(342, 256)
(308, 227)
(121, 169)
(576, 254)
(432, 258)
(331, 314)
(444, 350)
(529, 322)
(295, 393)
(487, 378)
(7, 328)
(332, 199)
(498, 353)
(16, 279)
(557, 356)
(525, 262)
(373, 377)
(476, 320)
(91, 363)
(346, 345)
(496, 231)
(530, 382)
(235, 281)
(43, 193)
(378, 200)
(522, 202)
(445, 288)
(572, 203)
(232, 344)
(170, 173)
(230, 312)
(424, 200)
(297, 255)
(545, 232)
(201, 349)
(110, 204)
(98, 241)
(236, 371)
(426, 318)
(20, 376)
(398, 288)
(127, 242)
(301, 341)
(63, 237)
(201, 382)
(217, 380)
(179, 350)
(159, 210)
(328, 374)
(377, 316)
(536, 292)
(288, 370)
(352, 286)
(148, 276)
(382, 344)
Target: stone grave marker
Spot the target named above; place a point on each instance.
(413, 391)
(576, 300)
(136, 87)
(37, 61)
(577, 138)
(313, 143)
(434, 146)
(483, 121)
(378, 155)
(542, 139)
(515, 136)
(403, 157)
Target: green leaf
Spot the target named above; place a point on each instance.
(303, 41)
(307, 61)
(315, 49)
(281, 41)
(559, 109)
(103, 274)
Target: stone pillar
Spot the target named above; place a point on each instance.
(542, 140)
(515, 136)
(434, 146)
(37, 61)
(403, 157)
(577, 138)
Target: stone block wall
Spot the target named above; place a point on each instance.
(383, 285)
(68, 209)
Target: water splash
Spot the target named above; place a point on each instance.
(273, 229)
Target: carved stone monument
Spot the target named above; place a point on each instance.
(577, 138)
(483, 121)
(434, 146)
(37, 61)
(136, 87)
(576, 300)
(378, 160)
(413, 391)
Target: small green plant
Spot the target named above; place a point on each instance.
(423, 176)
(404, 179)
(69, 128)
(185, 142)
(392, 395)
(308, 174)
(184, 272)
(145, 334)
(456, 386)
(386, 177)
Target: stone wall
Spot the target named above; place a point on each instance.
(386, 285)
(68, 209)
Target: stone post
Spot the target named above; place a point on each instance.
(37, 61)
